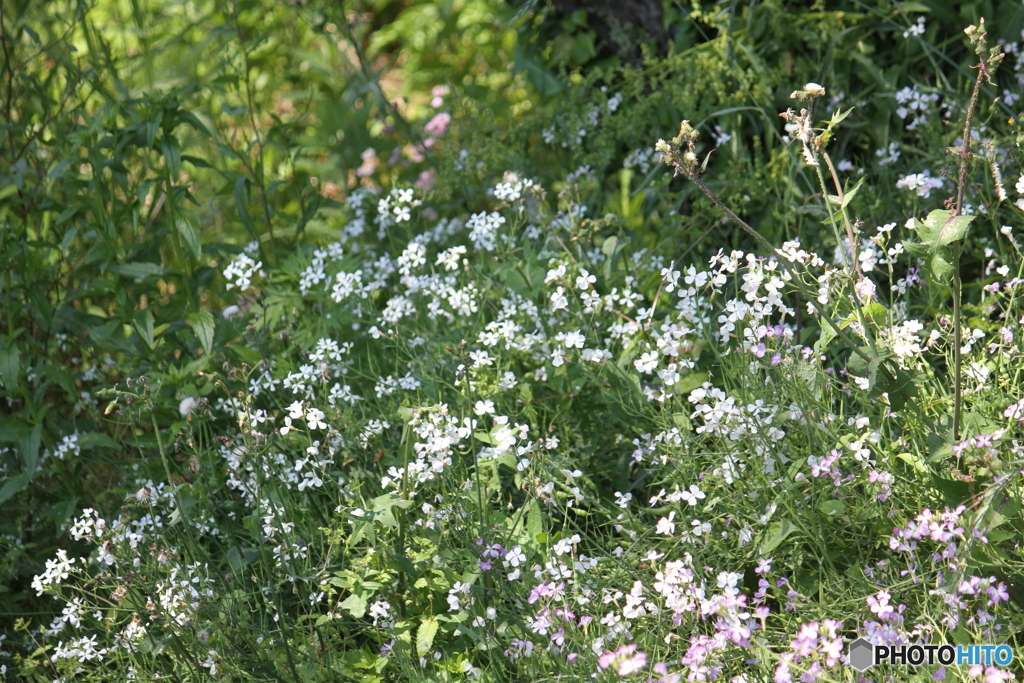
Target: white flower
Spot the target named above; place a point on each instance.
(647, 362)
(558, 300)
(692, 495)
(515, 557)
(700, 528)
(666, 526)
(287, 426)
(484, 407)
(922, 183)
(585, 279)
(574, 339)
(449, 258)
(315, 416)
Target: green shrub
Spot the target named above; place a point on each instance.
(574, 412)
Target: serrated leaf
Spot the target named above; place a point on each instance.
(941, 228)
(425, 636)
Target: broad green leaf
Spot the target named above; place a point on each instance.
(143, 324)
(29, 445)
(171, 149)
(61, 377)
(534, 520)
(915, 462)
(608, 248)
(14, 485)
(10, 365)
(140, 270)
(189, 233)
(240, 205)
(425, 636)
(941, 228)
(828, 333)
(912, 7)
(775, 535)
(203, 325)
(543, 80)
(355, 605)
(691, 381)
(832, 507)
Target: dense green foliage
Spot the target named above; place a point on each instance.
(378, 343)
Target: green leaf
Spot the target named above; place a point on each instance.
(425, 636)
(913, 7)
(828, 333)
(534, 520)
(171, 149)
(143, 324)
(915, 462)
(847, 196)
(61, 377)
(775, 535)
(543, 80)
(941, 228)
(608, 248)
(204, 326)
(29, 448)
(15, 485)
(240, 205)
(10, 365)
(355, 605)
(189, 233)
(139, 270)
(245, 354)
(955, 492)
(832, 507)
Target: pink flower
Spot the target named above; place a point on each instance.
(437, 126)
(626, 660)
